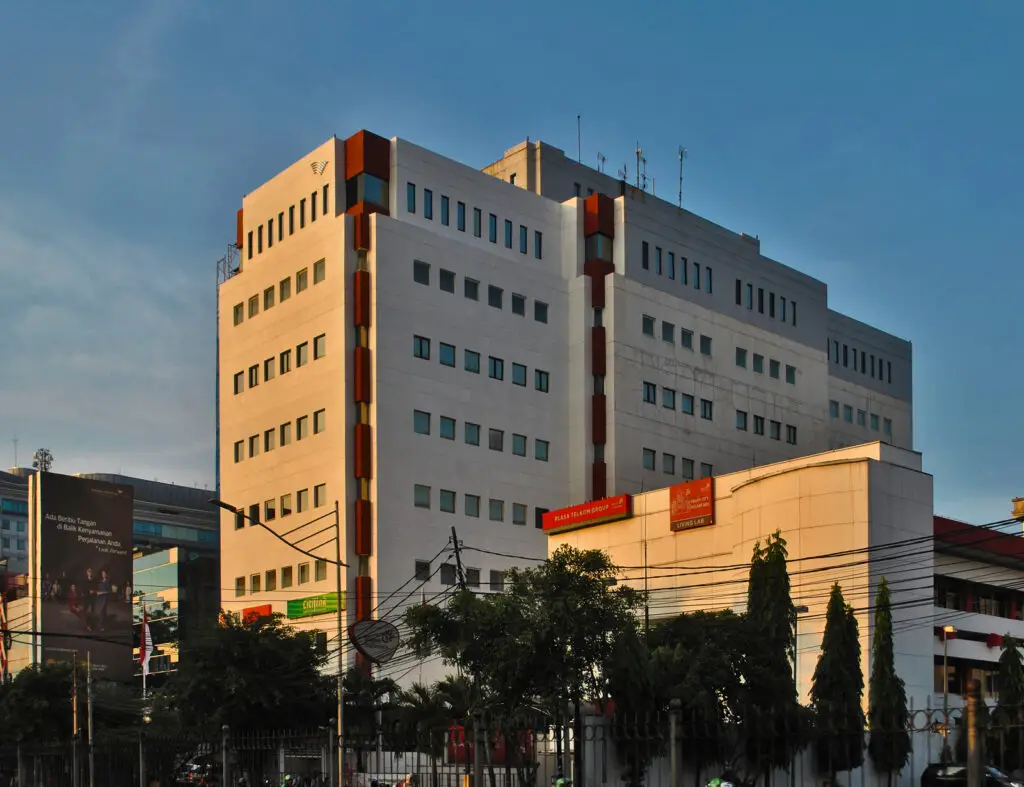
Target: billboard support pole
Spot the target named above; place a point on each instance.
(92, 762)
(341, 654)
(76, 773)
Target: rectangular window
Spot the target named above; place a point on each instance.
(648, 325)
(668, 332)
(508, 234)
(650, 459)
(492, 228)
(254, 514)
(460, 216)
(887, 427)
(741, 420)
(686, 338)
(792, 309)
(320, 570)
(707, 411)
(791, 435)
(428, 204)
(683, 270)
(686, 403)
(239, 451)
(254, 583)
(421, 347)
(447, 428)
(495, 296)
(302, 355)
(705, 345)
(312, 206)
(268, 298)
(249, 245)
(472, 433)
(540, 450)
(269, 511)
(706, 470)
(774, 369)
(497, 583)
(657, 260)
(254, 306)
(284, 362)
(519, 305)
(446, 500)
(874, 422)
(538, 517)
(495, 368)
(847, 414)
(471, 361)
(771, 305)
(285, 433)
(496, 439)
(518, 374)
(782, 308)
(758, 364)
(239, 313)
(444, 210)
(319, 271)
(650, 393)
(477, 220)
(750, 296)
(519, 445)
(668, 398)
(524, 239)
(420, 422)
(775, 430)
(739, 292)
(518, 514)
(239, 382)
(326, 199)
(301, 280)
(541, 380)
(645, 253)
(286, 507)
(302, 427)
(538, 245)
(759, 424)
(291, 219)
(447, 574)
(471, 506)
(319, 421)
(696, 275)
(686, 468)
(862, 418)
(319, 346)
(833, 409)
(239, 586)
(540, 312)
(707, 280)
(421, 496)
(284, 290)
(420, 272)
(471, 289)
(668, 464)
(301, 501)
(269, 438)
(741, 357)
(446, 354)
(302, 213)
(254, 375)
(496, 510)
(410, 197)
(286, 577)
(888, 369)
(760, 300)
(790, 374)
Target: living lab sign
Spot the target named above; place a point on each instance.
(597, 512)
(692, 504)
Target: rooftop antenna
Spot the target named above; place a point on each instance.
(640, 160)
(600, 161)
(15, 441)
(682, 157)
(624, 173)
(579, 140)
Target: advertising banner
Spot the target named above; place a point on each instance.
(84, 546)
(692, 504)
(597, 512)
(314, 605)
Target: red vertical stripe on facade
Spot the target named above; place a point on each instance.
(367, 152)
(363, 527)
(362, 459)
(361, 299)
(239, 229)
(599, 420)
(364, 598)
(599, 480)
(598, 350)
(361, 374)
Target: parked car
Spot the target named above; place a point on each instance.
(955, 775)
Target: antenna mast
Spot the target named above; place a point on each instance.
(641, 160)
(600, 161)
(15, 441)
(579, 140)
(682, 157)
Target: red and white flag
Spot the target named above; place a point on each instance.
(145, 643)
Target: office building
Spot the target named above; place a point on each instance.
(433, 346)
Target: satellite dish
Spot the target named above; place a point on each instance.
(377, 640)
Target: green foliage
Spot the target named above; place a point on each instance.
(633, 683)
(837, 691)
(889, 743)
(1008, 716)
(36, 704)
(258, 675)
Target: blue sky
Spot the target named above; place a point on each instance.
(875, 146)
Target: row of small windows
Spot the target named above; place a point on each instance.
(876, 368)
(254, 242)
(668, 334)
(267, 582)
(280, 435)
(282, 363)
(774, 427)
(448, 575)
(669, 397)
(447, 499)
(447, 428)
(757, 365)
(785, 311)
(471, 363)
(668, 464)
(20, 543)
(665, 264)
(280, 293)
(471, 290)
(460, 221)
(863, 417)
(270, 511)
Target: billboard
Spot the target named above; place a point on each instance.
(692, 504)
(314, 605)
(83, 555)
(596, 512)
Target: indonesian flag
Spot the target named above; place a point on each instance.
(145, 643)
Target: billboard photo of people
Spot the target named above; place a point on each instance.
(84, 544)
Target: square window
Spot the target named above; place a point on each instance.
(471, 361)
(518, 374)
(705, 345)
(650, 459)
(541, 380)
(444, 210)
(508, 234)
(447, 280)
(668, 332)
(285, 362)
(302, 427)
(319, 346)
(302, 355)
(519, 305)
(741, 357)
(758, 363)
(472, 506)
(496, 509)
(447, 354)
(492, 228)
(686, 338)
(285, 433)
(847, 413)
(477, 216)
(301, 280)
(496, 368)
(471, 289)
(741, 420)
(518, 514)
(410, 197)
(421, 347)
(319, 271)
(833, 409)
(319, 495)
(420, 422)
(774, 368)
(421, 496)
(759, 424)
(428, 204)
(472, 433)
(648, 325)
(775, 430)
(706, 470)
(668, 464)
(420, 272)
(495, 296)
(447, 428)
(687, 403)
(540, 450)
(650, 393)
(540, 311)
(447, 574)
(239, 382)
(239, 313)
(790, 374)
(460, 216)
(538, 245)
(707, 411)
(446, 502)
(791, 434)
(686, 468)
(496, 439)
(519, 444)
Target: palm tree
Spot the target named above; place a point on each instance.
(424, 712)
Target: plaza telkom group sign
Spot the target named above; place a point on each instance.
(314, 605)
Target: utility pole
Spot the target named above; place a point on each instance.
(88, 683)
(76, 770)
(461, 572)
(340, 689)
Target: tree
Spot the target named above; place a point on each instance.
(1008, 717)
(250, 675)
(772, 723)
(837, 691)
(364, 698)
(889, 743)
(42, 460)
(424, 717)
(36, 704)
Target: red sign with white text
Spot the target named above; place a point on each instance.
(586, 514)
(692, 504)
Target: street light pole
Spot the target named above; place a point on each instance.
(947, 631)
(340, 690)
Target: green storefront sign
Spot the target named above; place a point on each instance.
(314, 605)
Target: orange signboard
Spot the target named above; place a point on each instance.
(252, 614)
(692, 504)
(595, 512)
